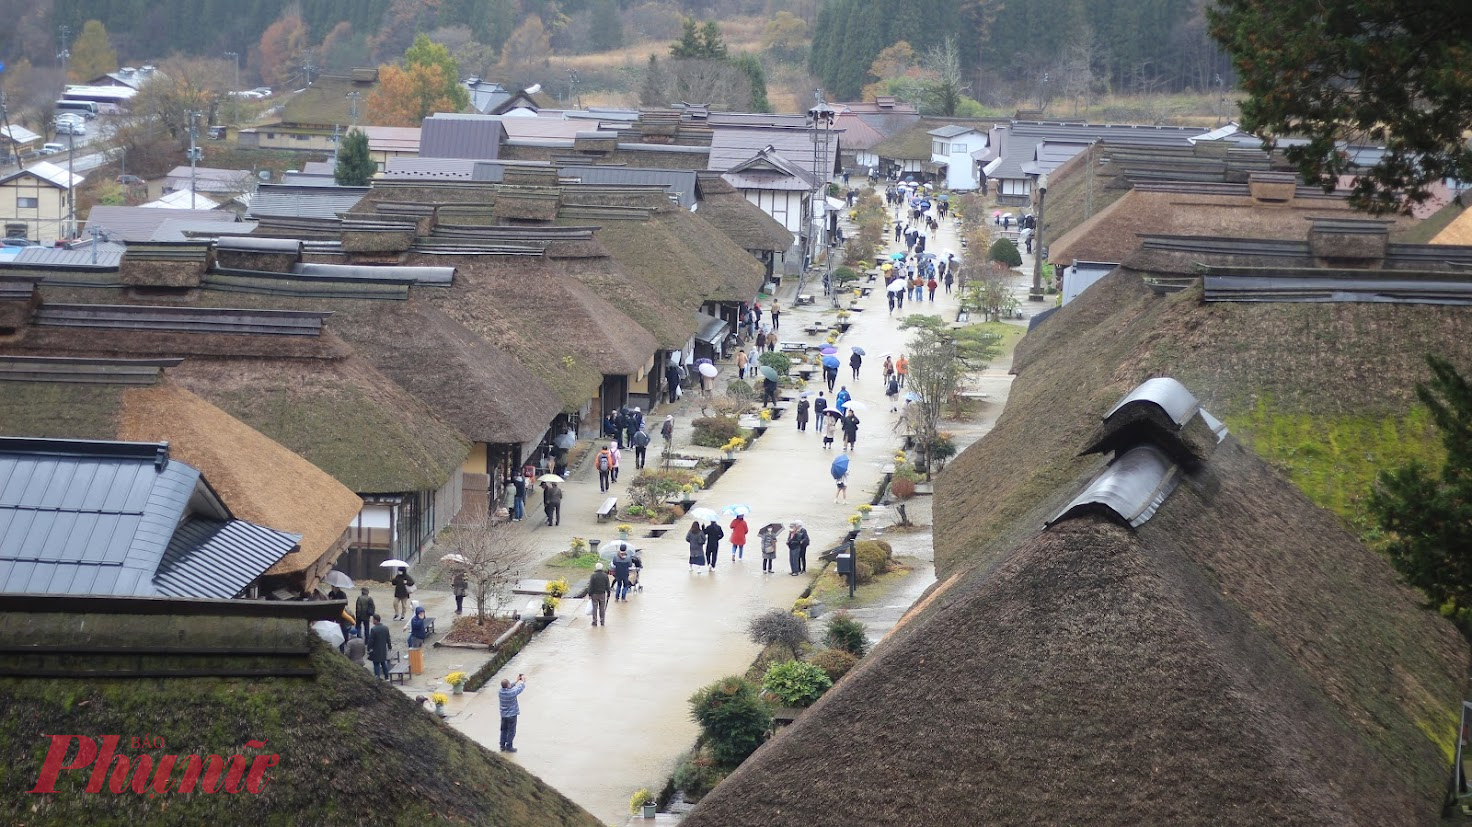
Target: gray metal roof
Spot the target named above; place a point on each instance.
(183, 319)
(186, 229)
(731, 146)
(281, 200)
(460, 169)
(1130, 489)
(108, 255)
(1166, 393)
(1030, 133)
(951, 130)
(477, 137)
(369, 272)
(140, 223)
(711, 329)
(678, 182)
(84, 517)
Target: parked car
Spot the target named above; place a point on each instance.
(52, 149)
(18, 242)
(129, 180)
(262, 91)
(70, 128)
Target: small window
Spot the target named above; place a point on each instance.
(270, 134)
(27, 203)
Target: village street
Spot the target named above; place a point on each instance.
(605, 710)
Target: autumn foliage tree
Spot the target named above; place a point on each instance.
(92, 54)
(428, 81)
(282, 47)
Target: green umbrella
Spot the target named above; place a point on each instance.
(769, 372)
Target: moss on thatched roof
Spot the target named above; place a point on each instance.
(658, 312)
(913, 144)
(683, 256)
(60, 411)
(1242, 634)
(556, 326)
(352, 751)
(258, 479)
(744, 222)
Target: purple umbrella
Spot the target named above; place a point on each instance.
(827, 350)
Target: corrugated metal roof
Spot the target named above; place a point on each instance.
(108, 255)
(1130, 489)
(1030, 133)
(731, 146)
(184, 319)
(711, 330)
(181, 200)
(1163, 392)
(368, 272)
(678, 182)
(219, 558)
(951, 130)
(282, 201)
(15, 133)
(210, 179)
(48, 172)
(138, 224)
(459, 169)
(477, 137)
(188, 229)
(84, 517)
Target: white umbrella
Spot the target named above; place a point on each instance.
(565, 440)
(337, 578)
(456, 559)
(393, 563)
(550, 478)
(328, 631)
(702, 515)
(610, 549)
(897, 286)
(709, 370)
(854, 404)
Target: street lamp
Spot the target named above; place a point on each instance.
(820, 115)
(1036, 294)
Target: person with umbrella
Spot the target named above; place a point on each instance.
(769, 386)
(797, 547)
(695, 539)
(402, 581)
(830, 426)
(459, 586)
(839, 470)
(769, 534)
(802, 413)
(830, 371)
(850, 430)
(738, 537)
(713, 536)
(552, 503)
(622, 565)
(854, 361)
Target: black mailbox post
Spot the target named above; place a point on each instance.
(846, 565)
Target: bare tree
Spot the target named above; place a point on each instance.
(494, 556)
(1076, 74)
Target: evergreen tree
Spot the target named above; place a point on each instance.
(690, 43)
(607, 27)
(752, 67)
(355, 167)
(711, 44)
(1428, 517)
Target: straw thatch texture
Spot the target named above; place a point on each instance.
(683, 256)
(60, 411)
(258, 479)
(744, 222)
(556, 326)
(1459, 231)
(353, 751)
(660, 313)
(1113, 232)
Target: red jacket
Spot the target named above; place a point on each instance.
(738, 531)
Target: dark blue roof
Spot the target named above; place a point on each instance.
(116, 518)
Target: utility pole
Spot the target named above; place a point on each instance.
(71, 191)
(309, 69)
(353, 98)
(99, 234)
(334, 144)
(572, 88)
(66, 53)
(235, 56)
(1036, 294)
(193, 157)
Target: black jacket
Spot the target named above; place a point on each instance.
(378, 642)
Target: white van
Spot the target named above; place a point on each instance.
(52, 149)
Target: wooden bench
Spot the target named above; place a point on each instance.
(428, 625)
(792, 347)
(606, 510)
(398, 670)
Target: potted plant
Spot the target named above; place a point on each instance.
(764, 418)
(439, 703)
(865, 510)
(687, 492)
(549, 605)
(456, 680)
(579, 546)
(643, 804)
(558, 587)
(855, 519)
(624, 531)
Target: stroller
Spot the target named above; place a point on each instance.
(635, 582)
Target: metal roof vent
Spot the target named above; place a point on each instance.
(1130, 490)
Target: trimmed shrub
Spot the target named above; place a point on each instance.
(780, 362)
(697, 774)
(835, 663)
(779, 627)
(733, 717)
(876, 554)
(715, 431)
(740, 390)
(1003, 251)
(847, 634)
(794, 683)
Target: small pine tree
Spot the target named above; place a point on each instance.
(652, 92)
(1003, 251)
(355, 167)
(847, 634)
(733, 717)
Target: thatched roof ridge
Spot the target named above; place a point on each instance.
(1241, 634)
(668, 316)
(554, 325)
(323, 726)
(259, 479)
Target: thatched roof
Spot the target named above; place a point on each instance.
(913, 144)
(680, 254)
(1241, 635)
(258, 479)
(352, 751)
(1459, 231)
(556, 326)
(1114, 232)
(314, 395)
(744, 222)
(657, 312)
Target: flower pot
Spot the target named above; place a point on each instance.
(546, 611)
(457, 689)
(730, 456)
(439, 709)
(650, 810)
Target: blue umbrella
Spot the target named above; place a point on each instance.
(912, 397)
(840, 467)
(830, 361)
(944, 197)
(897, 256)
(736, 510)
(858, 350)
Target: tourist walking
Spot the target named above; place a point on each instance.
(418, 629)
(355, 648)
(738, 538)
(552, 503)
(931, 286)
(604, 464)
(776, 315)
(902, 367)
(695, 539)
(363, 613)
(616, 455)
(797, 547)
(854, 362)
(888, 369)
(840, 402)
(598, 588)
(741, 362)
(830, 427)
(802, 414)
(769, 392)
(378, 646)
(518, 499)
(641, 447)
(830, 375)
(769, 546)
(819, 406)
(510, 710)
(667, 432)
(402, 582)
(622, 565)
(892, 390)
(850, 430)
(460, 586)
(841, 495)
(713, 536)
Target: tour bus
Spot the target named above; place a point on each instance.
(87, 109)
